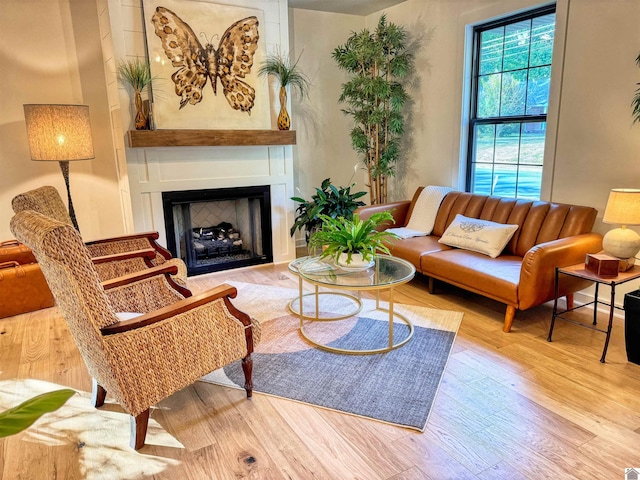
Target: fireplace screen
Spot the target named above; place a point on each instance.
(219, 229)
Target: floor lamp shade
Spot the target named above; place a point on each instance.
(60, 133)
(623, 208)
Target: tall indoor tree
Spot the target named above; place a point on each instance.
(636, 99)
(375, 97)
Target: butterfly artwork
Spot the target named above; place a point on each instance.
(230, 62)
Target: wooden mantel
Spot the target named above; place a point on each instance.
(210, 138)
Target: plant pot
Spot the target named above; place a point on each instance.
(356, 261)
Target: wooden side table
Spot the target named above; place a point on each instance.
(580, 272)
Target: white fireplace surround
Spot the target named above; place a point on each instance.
(156, 170)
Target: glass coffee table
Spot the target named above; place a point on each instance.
(386, 272)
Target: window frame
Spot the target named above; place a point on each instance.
(473, 121)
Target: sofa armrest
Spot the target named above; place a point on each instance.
(398, 210)
(537, 277)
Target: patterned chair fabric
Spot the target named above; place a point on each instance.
(149, 361)
(47, 201)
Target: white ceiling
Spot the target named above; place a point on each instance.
(353, 7)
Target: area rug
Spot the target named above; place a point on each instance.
(397, 387)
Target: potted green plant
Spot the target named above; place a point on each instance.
(137, 74)
(352, 242)
(377, 61)
(288, 74)
(328, 200)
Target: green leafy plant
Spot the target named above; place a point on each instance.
(328, 200)
(636, 99)
(136, 73)
(287, 73)
(21, 417)
(342, 235)
(375, 98)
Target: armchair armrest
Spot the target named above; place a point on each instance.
(537, 277)
(398, 210)
(147, 254)
(166, 270)
(150, 236)
(223, 291)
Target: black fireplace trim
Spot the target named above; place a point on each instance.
(260, 192)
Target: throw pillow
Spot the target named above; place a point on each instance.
(482, 236)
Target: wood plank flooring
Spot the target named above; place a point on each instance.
(510, 406)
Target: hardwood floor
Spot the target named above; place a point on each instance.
(510, 406)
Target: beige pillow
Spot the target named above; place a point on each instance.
(482, 236)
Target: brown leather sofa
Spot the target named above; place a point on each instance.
(522, 276)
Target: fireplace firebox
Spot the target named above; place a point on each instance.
(219, 229)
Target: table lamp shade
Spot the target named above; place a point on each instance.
(59, 132)
(623, 207)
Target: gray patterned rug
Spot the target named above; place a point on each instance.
(397, 387)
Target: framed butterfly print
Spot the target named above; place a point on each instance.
(205, 58)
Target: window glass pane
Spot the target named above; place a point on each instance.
(529, 181)
(538, 90)
(491, 50)
(489, 96)
(542, 32)
(484, 140)
(513, 93)
(532, 143)
(507, 143)
(516, 45)
(504, 180)
(482, 178)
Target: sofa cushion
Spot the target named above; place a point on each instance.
(411, 249)
(482, 236)
(496, 278)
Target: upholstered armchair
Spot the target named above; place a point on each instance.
(47, 201)
(138, 359)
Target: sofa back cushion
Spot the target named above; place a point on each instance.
(538, 221)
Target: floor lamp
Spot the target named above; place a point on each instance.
(60, 133)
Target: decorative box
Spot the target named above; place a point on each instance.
(602, 265)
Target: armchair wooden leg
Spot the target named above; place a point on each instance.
(139, 429)
(247, 368)
(569, 298)
(98, 394)
(508, 318)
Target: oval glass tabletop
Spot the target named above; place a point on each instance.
(385, 271)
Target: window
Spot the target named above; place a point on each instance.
(510, 96)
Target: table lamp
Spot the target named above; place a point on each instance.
(623, 208)
(60, 133)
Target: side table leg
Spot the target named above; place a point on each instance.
(555, 306)
(611, 308)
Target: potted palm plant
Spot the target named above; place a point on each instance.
(288, 74)
(352, 242)
(137, 74)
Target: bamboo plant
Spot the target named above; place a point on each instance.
(375, 98)
(636, 99)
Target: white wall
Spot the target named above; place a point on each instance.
(50, 53)
(324, 146)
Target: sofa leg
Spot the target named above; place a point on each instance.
(569, 298)
(508, 318)
(432, 286)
